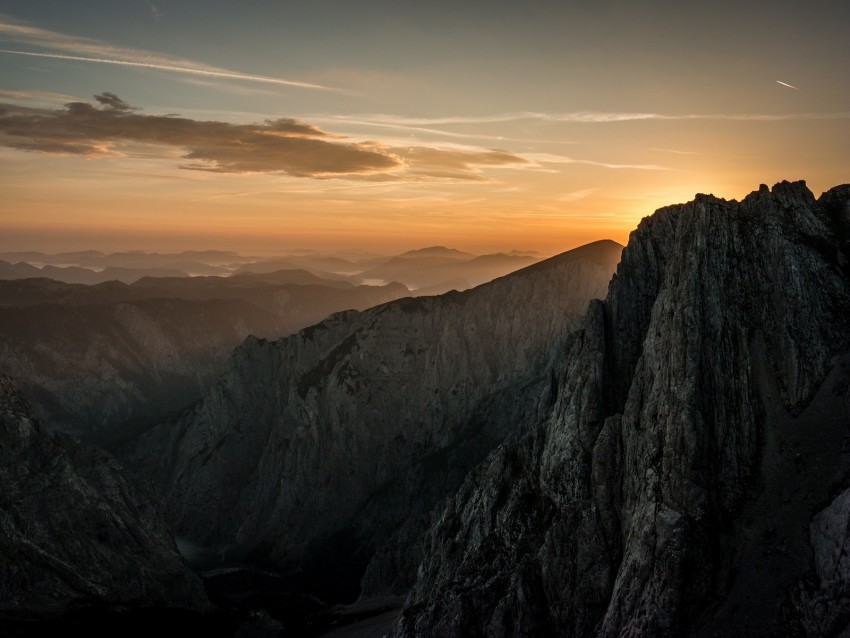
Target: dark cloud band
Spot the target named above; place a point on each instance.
(284, 146)
(276, 146)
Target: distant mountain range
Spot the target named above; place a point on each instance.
(441, 269)
(148, 338)
(432, 270)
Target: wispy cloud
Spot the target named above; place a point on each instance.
(41, 97)
(577, 195)
(587, 117)
(547, 158)
(60, 46)
(674, 151)
(400, 125)
(447, 163)
(228, 75)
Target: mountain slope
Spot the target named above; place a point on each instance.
(93, 368)
(692, 465)
(311, 451)
(100, 361)
(73, 528)
(436, 266)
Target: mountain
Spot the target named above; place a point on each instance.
(321, 454)
(267, 267)
(74, 529)
(95, 370)
(103, 361)
(691, 477)
(18, 270)
(436, 268)
(77, 275)
(327, 263)
(436, 252)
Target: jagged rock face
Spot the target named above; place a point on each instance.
(310, 451)
(72, 527)
(698, 429)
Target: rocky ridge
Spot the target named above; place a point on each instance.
(103, 362)
(311, 451)
(691, 477)
(74, 529)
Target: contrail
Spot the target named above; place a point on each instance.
(157, 14)
(788, 85)
(180, 69)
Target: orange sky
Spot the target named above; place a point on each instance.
(539, 144)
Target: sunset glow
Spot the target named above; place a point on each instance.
(262, 127)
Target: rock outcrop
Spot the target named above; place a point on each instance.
(691, 477)
(73, 528)
(311, 451)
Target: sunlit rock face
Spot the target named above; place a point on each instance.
(691, 476)
(74, 528)
(323, 452)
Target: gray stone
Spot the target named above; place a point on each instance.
(73, 527)
(694, 435)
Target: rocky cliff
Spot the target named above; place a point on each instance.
(103, 362)
(311, 451)
(73, 528)
(691, 476)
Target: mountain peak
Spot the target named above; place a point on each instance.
(436, 251)
(692, 443)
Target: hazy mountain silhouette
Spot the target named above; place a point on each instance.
(436, 268)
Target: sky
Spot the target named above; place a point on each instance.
(327, 124)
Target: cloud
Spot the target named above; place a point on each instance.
(284, 145)
(42, 97)
(548, 158)
(674, 151)
(354, 121)
(60, 46)
(112, 101)
(577, 195)
(584, 117)
(454, 163)
(112, 127)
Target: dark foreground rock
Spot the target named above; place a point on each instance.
(692, 476)
(74, 530)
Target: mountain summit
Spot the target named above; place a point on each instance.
(691, 478)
